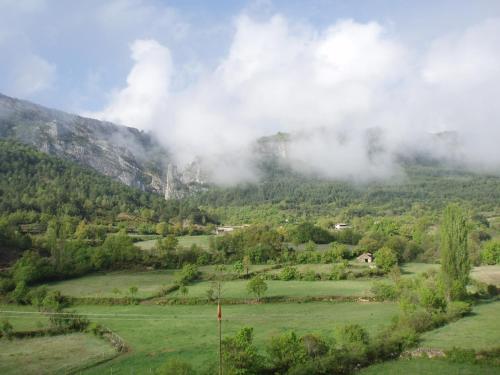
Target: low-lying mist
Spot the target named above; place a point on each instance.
(352, 96)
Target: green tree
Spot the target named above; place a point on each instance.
(455, 262)
(238, 267)
(257, 286)
(162, 228)
(6, 329)
(286, 351)
(386, 258)
(240, 356)
(491, 252)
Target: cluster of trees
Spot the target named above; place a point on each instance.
(39, 192)
(428, 184)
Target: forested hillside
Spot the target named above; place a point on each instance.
(428, 186)
(36, 188)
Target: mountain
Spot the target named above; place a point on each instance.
(125, 154)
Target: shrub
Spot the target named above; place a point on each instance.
(384, 291)
(6, 286)
(240, 356)
(188, 273)
(20, 293)
(289, 273)
(339, 272)
(286, 351)
(457, 309)
(491, 252)
(309, 275)
(6, 329)
(353, 338)
(314, 345)
(386, 258)
(257, 286)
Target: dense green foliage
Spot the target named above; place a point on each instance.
(455, 262)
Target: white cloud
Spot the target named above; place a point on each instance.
(143, 101)
(353, 94)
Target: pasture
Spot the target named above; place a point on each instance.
(293, 288)
(479, 331)
(424, 366)
(487, 274)
(53, 354)
(115, 284)
(156, 333)
(201, 241)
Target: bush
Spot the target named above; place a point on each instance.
(6, 286)
(257, 286)
(384, 291)
(240, 356)
(20, 293)
(6, 329)
(491, 252)
(457, 310)
(289, 273)
(188, 273)
(286, 351)
(353, 338)
(339, 272)
(386, 258)
(310, 275)
(314, 345)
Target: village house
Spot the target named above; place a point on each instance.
(365, 258)
(340, 226)
(228, 229)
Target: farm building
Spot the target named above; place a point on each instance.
(229, 229)
(340, 226)
(365, 258)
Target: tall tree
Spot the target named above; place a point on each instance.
(455, 262)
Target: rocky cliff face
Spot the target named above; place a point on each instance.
(125, 154)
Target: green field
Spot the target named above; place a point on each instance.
(185, 241)
(479, 331)
(424, 366)
(53, 354)
(487, 274)
(106, 284)
(237, 288)
(21, 318)
(156, 333)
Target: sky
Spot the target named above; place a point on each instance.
(208, 77)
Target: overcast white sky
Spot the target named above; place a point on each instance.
(208, 77)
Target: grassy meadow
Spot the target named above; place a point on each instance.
(185, 241)
(61, 354)
(293, 288)
(480, 330)
(156, 333)
(424, 366)
(115, 284)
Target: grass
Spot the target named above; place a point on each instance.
(18, 316)
(237, 288)
(104, 284)
(487, 274)
(185, 241)
(190, 332)
(202, 241)
(424, 366)
(52, 354)
(478, 331)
